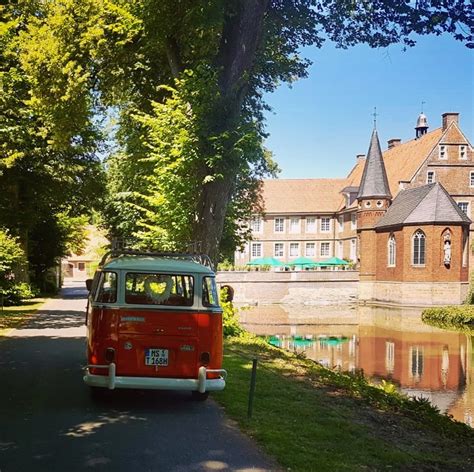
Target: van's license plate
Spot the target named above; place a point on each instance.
(156, 357)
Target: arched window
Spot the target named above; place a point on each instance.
(392, 251)
(419, 246)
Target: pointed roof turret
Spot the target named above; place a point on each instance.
(374, 183)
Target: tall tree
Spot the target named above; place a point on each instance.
(44, 180)
(200, 67)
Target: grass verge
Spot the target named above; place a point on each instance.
(13, 316)
(310, 418)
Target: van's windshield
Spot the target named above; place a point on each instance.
(159, 289)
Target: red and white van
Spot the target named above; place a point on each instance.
(154, 322)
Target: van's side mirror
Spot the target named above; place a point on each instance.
(89, 284)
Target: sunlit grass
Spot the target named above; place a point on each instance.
(13, 316)
(310, 418)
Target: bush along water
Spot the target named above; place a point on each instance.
(450, 316)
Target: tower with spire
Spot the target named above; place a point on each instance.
(373, 199)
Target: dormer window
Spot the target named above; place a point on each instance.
(430, 177)
(442, 152)
(463, 152)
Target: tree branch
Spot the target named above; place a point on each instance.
(241, 37)
(173, 56)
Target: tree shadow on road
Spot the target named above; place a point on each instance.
(53, 319)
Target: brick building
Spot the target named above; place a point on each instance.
(320, 218)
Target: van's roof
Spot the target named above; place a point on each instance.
(157, 264)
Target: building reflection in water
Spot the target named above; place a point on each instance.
(385, 343)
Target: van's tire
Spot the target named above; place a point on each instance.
(199, 397)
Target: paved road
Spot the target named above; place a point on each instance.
(49, 423)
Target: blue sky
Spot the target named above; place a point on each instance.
(319, 125)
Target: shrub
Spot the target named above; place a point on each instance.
(230, 322)
(12, 258)
(457, 315)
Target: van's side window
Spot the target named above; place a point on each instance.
(107, 291)
(159, 289)
(209, 292)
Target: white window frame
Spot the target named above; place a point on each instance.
(353, 250)
(314, 224)
(442, 152)
(433, 180)
(325, 244)
(463, 147)
(297, 229)
(292, 245)
(468, 207)
(340, 249)
(321, 224)
(310, 253)
(391, 251)
(255, 245)
(471, 178)
(279, 219)
(353, 221)
(418, 235)
(340, 223)
(256, 225)
(279, 255)
(389, 357)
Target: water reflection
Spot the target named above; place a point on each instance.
(386, 343)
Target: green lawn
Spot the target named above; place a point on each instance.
(13, 316)
(312, 419)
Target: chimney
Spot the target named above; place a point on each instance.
(359, 157)
(394, 142)
(449, 118)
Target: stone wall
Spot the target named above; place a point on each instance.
(414, 293)
(304, 288)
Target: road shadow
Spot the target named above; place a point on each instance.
(53, 319)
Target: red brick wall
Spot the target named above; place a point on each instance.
(434, 269)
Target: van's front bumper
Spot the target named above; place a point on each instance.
(111, 381)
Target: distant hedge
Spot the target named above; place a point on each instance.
(457, 315)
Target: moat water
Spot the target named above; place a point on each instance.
(385, 343)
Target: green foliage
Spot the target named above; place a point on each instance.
(11, 254)
(230, 321)
(12, 257)
(48, 166)
(453, 315)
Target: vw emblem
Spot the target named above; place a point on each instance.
(127, 346)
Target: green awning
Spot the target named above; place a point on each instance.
(334, 261)
(302, 261)
(266, 261)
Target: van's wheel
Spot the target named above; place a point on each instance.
(200, 397)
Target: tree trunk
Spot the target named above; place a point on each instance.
(241, 38)
(213, 203)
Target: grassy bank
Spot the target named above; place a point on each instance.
(310, 418)
(13, 316)
(460, 317)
